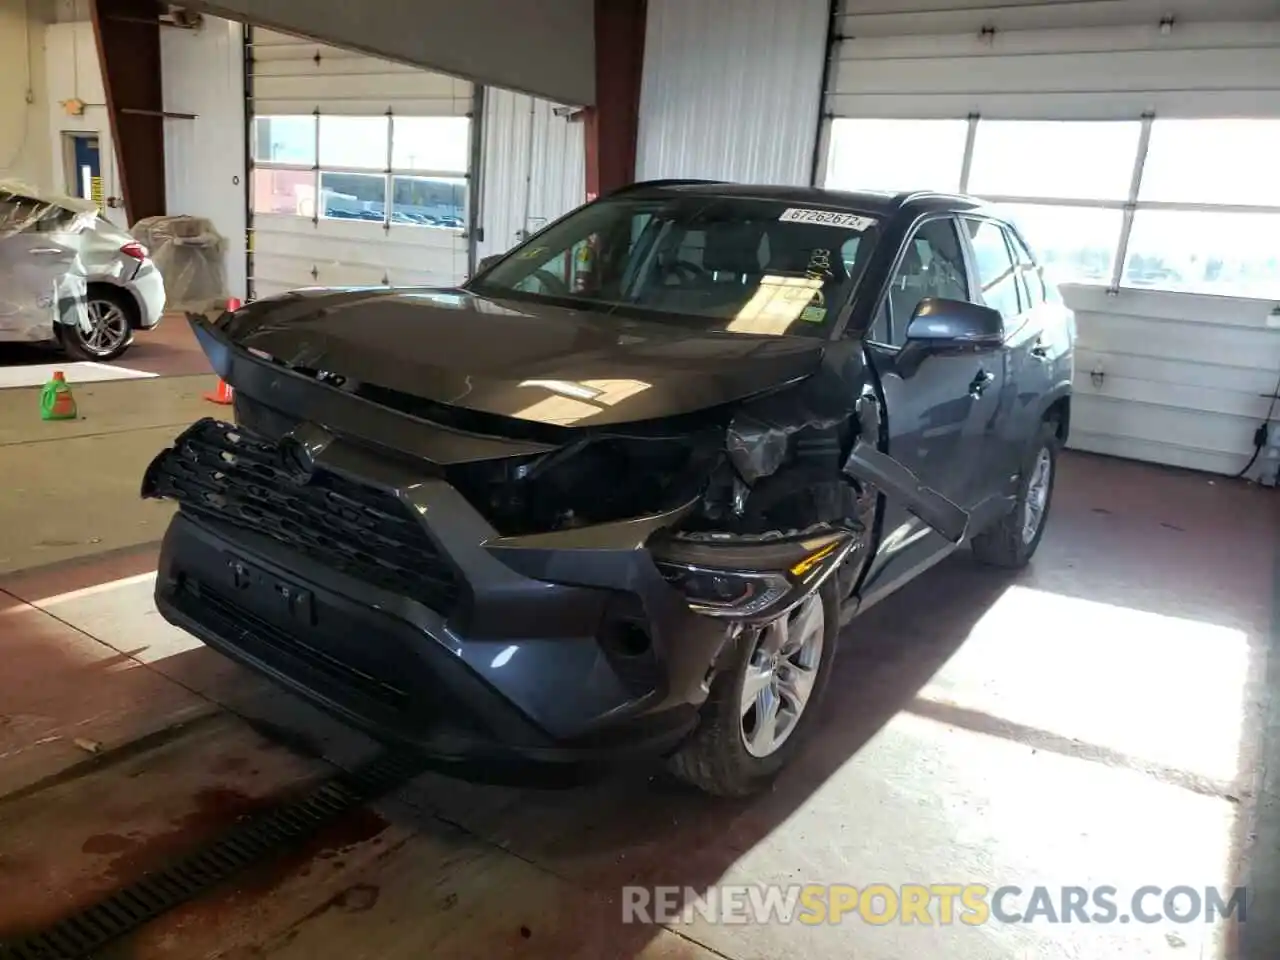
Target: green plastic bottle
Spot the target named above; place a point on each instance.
(56, 401)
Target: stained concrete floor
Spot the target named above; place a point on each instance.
(1101, 718)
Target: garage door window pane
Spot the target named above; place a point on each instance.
(1213, 161)
(284, 191)
(1069, 160)
(1230, 254)
(354, 142)
(285, 140)
(896, 154)
(353, 196)
(429, 202)
(1073, 244)
(437, 144)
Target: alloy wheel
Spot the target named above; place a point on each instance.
(780, 677)
(108, 328)
(1037, 498)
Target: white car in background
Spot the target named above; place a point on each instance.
(68, 276)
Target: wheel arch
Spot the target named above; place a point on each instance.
(125, 293)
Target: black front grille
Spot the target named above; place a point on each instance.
(227, 473)
(243, 628)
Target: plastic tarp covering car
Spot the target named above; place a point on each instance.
(42, 280)
(188, 253)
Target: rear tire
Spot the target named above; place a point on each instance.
(112, 315)
(725, 755)
(1012, 542)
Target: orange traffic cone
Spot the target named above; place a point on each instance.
(224, 394)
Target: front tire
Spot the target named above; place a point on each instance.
(1013, 541)
(112, 317)
(763, 705)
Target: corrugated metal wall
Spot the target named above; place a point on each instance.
(731, 89)
(534, 167)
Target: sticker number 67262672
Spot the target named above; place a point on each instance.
(829, 218)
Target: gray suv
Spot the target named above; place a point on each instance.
(619, 491)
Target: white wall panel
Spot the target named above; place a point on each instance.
(1101, 72)
(296, 252)
(294, 76)
(893, 18)
(73, 72)
(534, 167)
(24, 100)
(731, 89)
(1174, 378)
(205, 175)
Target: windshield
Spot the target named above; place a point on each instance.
(715, 263)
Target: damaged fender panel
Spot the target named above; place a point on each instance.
(880, 470)
(760, 435)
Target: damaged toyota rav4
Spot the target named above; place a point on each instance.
(618, 493)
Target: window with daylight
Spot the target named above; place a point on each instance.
(1074, 244)
(1197, 251)
(1193, 206)
(354, 142)
(1067, 160)
(397, 171)
(431, 144)
(896, 155)
(285, 140)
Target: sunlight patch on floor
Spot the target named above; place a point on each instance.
(1164, 689)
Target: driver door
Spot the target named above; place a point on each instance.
(939, 406)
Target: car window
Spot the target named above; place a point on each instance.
(932, 265)
(724, 263)
(996, 271)
(1030, 272)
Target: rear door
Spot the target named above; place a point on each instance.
(938, 405)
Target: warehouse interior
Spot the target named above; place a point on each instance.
(1104, 718)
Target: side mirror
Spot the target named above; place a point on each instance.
(941, 323)
(487, 262)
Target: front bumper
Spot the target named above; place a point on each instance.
(148, 289)
(509, 666)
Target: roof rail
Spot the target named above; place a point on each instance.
(910, 195)
(669, 182)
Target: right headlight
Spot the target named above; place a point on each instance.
(748, 578)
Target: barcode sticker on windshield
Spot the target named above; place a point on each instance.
(829, 218)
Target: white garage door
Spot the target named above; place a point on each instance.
(1135, 143)
(359, 169)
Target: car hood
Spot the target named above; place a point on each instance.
(534, 362)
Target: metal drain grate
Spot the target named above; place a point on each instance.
(138, 903)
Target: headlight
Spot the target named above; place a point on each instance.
(748, 579)
(726, 593)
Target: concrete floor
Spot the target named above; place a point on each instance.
(1101, 718)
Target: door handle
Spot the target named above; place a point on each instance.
(43, 251)
(980, 383)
